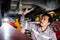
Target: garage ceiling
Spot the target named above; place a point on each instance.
(46, 4)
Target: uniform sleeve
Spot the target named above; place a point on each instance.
(53, 35)
(33, 26)
(33, 36)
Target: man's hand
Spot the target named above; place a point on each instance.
(23, 31)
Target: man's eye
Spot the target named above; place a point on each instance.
(44, 19)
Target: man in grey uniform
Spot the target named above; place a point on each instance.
(44, 31)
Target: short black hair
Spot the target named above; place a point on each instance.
(50, 17)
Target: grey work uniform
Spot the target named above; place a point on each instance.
(48, 32)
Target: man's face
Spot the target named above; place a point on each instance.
(45, 21)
